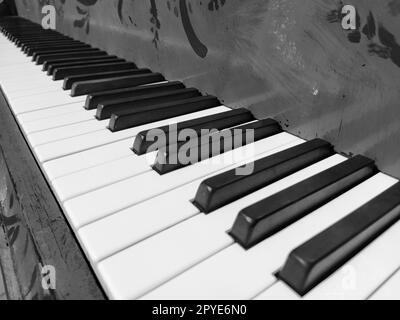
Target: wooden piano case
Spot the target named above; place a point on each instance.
(286, 59)
(33, 230)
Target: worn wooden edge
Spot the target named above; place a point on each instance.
(34, 229)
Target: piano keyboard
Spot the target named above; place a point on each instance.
(308, 223)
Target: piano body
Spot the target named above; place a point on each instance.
(86, 214)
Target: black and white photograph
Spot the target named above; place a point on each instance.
(199, 157)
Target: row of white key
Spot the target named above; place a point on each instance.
(358, 279)
(85, 147)
(239, 274)
(389, 290)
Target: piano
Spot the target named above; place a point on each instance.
(91, 189)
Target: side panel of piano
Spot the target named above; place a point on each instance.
(34, 237)
(286, 59)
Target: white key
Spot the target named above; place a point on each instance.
(26, 75)
(9, 79)
(27, 65)
(43, 101)
(9, 70)
(18, 81)
(87, 159)
(390, 289)
(357, 279)
(278, 291)
(49, 113)
(114, 151)
(65, 132)
(89, 141)
(15, 61)
(62, 148)
(183, 246)
(82, 182)
(14, 51)
(10, 50)
(81, 127)
(17, 92)
(34, 90)
(370, 267)
(239, 274)
(9, 63)
(139, 222)
(26, 72)
(18, 54)
(25, 84)
(10, 45)
(61, 121)
(108, 200)
(19, 68)
(94, 178)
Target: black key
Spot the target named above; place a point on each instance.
(38, 38)
(34, 34)
(229, 186)
(30, 50)
(143, 141)
(130, 105)
(75, 48)
(30, 30)
(33, 30)
(93, 100)
(215, 145)
(41, 37)
(69, 81)
(265, 218)
(311, 263)
(86, 87)
(62, 51)
(48, 44)
(23, 44)
(61, 73)
(157, 112)
(91, 52)
(28, 41)
(105, 59)
(51, 62)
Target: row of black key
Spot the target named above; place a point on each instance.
(115, 87)
(311, 263)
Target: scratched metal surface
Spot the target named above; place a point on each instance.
(288, 59)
